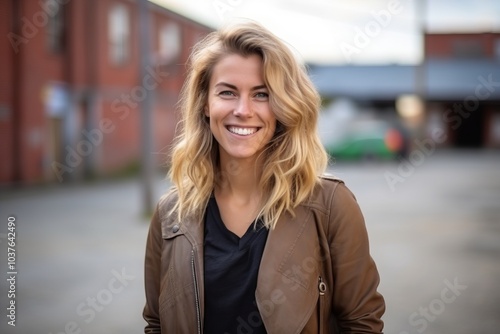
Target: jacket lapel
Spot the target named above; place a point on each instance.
(287, 291)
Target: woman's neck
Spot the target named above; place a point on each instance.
(239, 178)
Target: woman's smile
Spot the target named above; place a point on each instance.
(242, 131)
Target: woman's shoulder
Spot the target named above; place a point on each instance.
(330, 189)
(329, 180)
(338, 206)
(167, 201)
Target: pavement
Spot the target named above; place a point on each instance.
(435, 237)
(433, 223)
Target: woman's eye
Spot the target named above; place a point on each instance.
(262, 95)
(226, 93)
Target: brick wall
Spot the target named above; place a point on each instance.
(98, 128)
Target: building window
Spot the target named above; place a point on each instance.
(55, 26)
(119, 34)
(170, 43)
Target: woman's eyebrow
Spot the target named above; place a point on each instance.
(236, 88)
(259, 87)
(226, 85)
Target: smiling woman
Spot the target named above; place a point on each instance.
(253, 237)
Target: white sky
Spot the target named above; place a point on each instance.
(328, 31)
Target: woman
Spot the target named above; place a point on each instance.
(252, 238)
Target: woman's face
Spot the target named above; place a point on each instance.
(241, 119)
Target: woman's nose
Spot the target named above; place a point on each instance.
(244, 108)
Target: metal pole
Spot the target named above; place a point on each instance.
(146, 109)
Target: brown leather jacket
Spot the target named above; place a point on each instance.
(316, 273)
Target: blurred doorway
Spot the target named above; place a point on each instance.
(470, 134)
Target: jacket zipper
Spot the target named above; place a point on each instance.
(322, 289)
(197, 299)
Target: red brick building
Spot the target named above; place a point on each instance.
(462, 46)
(71, 85)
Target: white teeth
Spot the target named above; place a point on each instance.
(242, 131)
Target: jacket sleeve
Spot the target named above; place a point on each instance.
(152, 272)
(357, 305)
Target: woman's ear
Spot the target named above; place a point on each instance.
(205, 110)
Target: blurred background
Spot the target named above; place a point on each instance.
(410, 117)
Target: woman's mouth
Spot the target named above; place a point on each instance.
(242, 131)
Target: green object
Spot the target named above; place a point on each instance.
(367, 141)
(357, 148)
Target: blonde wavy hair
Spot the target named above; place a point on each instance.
(293, 160)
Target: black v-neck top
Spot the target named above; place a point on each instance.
(231, 269)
